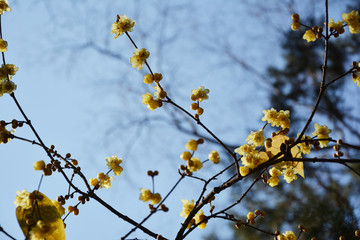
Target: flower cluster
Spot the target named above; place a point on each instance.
(103, 180)
(114, 164)
(146, 195)
(193, 164)
(336, 27)
(322, 132)
(275, 118)
(156, 101)
(352, 20)
(6, 73)
(122, 24)
(198, 95)
(199, 217)
(139, 57)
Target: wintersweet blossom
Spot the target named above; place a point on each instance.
(309, 36)
(150, 102)
(245, 149)
(122, 24)
(305, 147)
(321, 132)
(194, 164)
(352, 20)
(290, 235)
(244, 170)
(4, 6)
(4, 134)
(273, 181)
(114, 164)
(356, 80)
(337, 26)
(191, 145)
(139, 57)
(200, 217)
(145, 194)
(22, 199)
(275, 118)
(200, 94)
(3, 45)
(256, 138)
(187, 208)
(289, 175)
(214, 156)
(105, 180)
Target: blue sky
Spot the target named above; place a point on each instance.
(88, 103)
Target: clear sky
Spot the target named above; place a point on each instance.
(77, 87)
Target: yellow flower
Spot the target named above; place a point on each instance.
(214, 156)
(274, 172)
(275, 118)
(22, 199)
(4, 134)
(194, 164)
(273, 181)
(304, 147)
(150, 102)
(185, 155)
(4, 6)
(3, 45)
(289, 175)
(244, 170)
(254, 160)
(114, 164)
(281, 237)
(122, 24)
(200, 217)
(155, 198)
(290, 235)
(322, 131)
(191, 145)
(356, 80)
(148, 79)
(337, 26)
(256, 138)
(139, 57)
(158, 77)
(145, 194)
(93, 181)
(245, 150)
(8, 69)
(160, 93)
(7, 86)
(104, 180)
(251, 216)
(200, 94)
(39, 165)
(352, 20)
(309, 36)
(295, 26)
(187, 208)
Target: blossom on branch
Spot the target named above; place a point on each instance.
(122, 24)
(139, 57)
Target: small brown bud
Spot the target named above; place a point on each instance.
(238, 224)
(200, 141)
(68, 155)
(150, 173)
(156, 172)
(339, 141)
